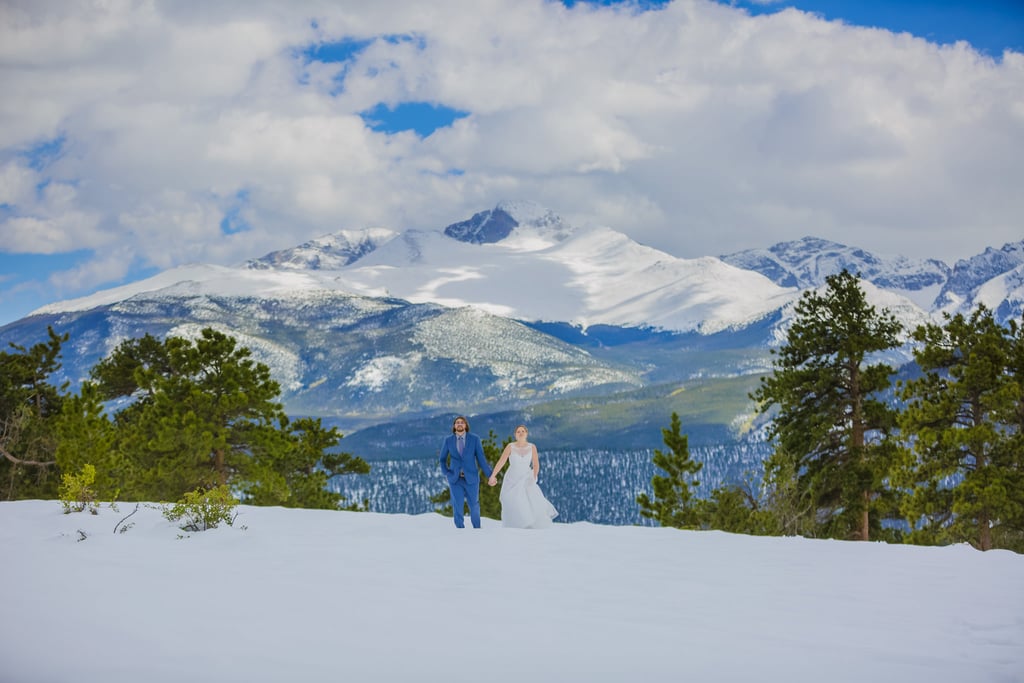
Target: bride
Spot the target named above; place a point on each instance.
(523, 505)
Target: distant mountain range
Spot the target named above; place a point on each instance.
(514, 315)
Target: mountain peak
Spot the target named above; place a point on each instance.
(808, 261)
(507, 218)
(328, 252)
(968, 275)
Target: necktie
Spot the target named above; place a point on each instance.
(462, 444)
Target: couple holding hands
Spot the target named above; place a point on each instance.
(523, 505)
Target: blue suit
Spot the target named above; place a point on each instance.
(463, 476)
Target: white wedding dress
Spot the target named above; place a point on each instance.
(523, 505)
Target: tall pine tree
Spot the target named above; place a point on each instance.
(964, 465)
(831, 417)
(29, 404)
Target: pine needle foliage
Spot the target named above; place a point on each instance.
(201, 414)
(29, 403)
(832, 415)
(673, 503)
(964, 421)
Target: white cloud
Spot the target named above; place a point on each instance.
(17, 184)
(52, 222)
(107, 266)
(697, 128)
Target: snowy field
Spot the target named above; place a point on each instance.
(301, 595)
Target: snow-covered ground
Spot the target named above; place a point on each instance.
(301, 595)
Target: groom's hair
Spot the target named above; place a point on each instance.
(457, 418)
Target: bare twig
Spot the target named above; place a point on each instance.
(123, 520)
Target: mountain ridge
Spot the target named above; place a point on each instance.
(510, 309)
(521, 260)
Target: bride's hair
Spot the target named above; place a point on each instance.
(523, 426)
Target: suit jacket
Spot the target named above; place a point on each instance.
(472, 455)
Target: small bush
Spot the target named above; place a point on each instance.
(76, 492)
(202, 510)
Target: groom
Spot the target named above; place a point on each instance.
(466, 451)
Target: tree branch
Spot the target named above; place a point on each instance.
(9, 433)
(19, 461)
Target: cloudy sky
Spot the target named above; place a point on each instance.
(136, 135)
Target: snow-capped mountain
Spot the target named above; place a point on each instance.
(358, 359)
(1003, 295)
(329, 252)
(521, 261)
(521, 218)
(508, 309)
(198, 280)
(518, 261)
(899, 306)
(805, 263)
(524, 262)
(964, 288)
(991, 278)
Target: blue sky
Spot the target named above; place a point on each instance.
(989, 25)
(143, 138)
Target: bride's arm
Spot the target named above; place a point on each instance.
(498, 465)
(536, 463)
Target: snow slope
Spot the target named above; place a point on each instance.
(592, 276)
(301, 595)
(199, 280)
(521, 260)
(540, 269)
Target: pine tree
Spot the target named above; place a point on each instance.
(202, 410)
(297, 473)
(86, 436)
(738, 509)
(831, 416)
(673, 504)
(203, 414)
(28, 405)
(964, 417)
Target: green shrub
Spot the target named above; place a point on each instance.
(76, 491)
(201, 510)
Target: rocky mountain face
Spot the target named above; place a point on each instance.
(991, 277)
(494, 225)
(514, 313)
(329, 252)
(807, 262)
(354, 359)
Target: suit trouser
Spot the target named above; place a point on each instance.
(463, 492)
